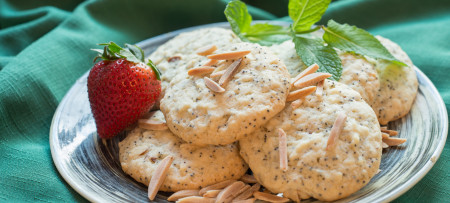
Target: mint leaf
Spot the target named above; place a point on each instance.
(314, 51)
(354, 39)
(305, 13)
(266, 34)
(238, 16)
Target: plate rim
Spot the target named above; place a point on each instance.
(390, 196)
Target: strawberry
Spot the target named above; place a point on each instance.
(121, 88)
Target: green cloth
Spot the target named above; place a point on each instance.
(44, 48)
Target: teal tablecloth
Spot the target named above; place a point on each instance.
(44, 48)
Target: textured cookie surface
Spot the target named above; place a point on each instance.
(312, 170)
(193, 166)
(255, 94)
(398, 85)
(179, 54)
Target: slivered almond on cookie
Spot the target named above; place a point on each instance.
(213, 86)
(244, 200)
(149, 124)
(282, 147)
(295, 104)
(230, 192)
(298, 94)
(311, 69)
(229, 72)
(158, 177)
(319, 90)
(229, 55)
(394, 141)
(246, 178)
(211, 62)
(269, 197)
(217, 186)
(196, 199)
(181, 194)
(311, 79)
(217, 74)
(336, 130)
(390, 132)
(211, 193)
(206, 50)
(201, 70)
(248, 193)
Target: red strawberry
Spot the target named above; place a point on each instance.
(121, 88)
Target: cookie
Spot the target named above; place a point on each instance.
(312, 170)
(193, 167)
(398, 85)
(179, 54)
(256, 92)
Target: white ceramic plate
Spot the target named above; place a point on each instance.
(91, 165)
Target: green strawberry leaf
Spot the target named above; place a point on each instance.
(304, 13)
(136, 51)
(354, 39)
(156, 70)
(313, 51)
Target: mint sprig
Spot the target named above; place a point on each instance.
(304, 14)
(132, 53)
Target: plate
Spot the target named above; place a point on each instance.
(91, 164)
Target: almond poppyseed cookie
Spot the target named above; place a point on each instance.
(179, 54)
(193, 167)
(398, 85)
(312, 169)
(255, 93)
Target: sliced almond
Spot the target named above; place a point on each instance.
(249, 192)
(390, 132)
(206, 50)
(311, 79)
(173, 58)
(384, 145)
(196, 199)
(282, 148)
(384, 135)
(201, 70)
(269, 197)
(336, 130)
(213, 86)
(216, 186)
(244, 200)
(211, 62)
(229, 55)
(158, 176)
(230, 192)
(311, 69)
(211, 193)
(181, 194)
(152, 124)
(246, 178)
(295, 104)
(383, 128)
(391, 141)
(298, 94)
(229, 72)
(319, 90)
(217, 74)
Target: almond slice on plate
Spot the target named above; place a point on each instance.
(384, 135)
(269, 197)
(229, 55)
(182, 193)
(390, 132)
(213, 86)
(391, 141)
(206, 50)
(300, 93)
(158, 176)
(311, 69)
(384, 145)
(196, 199)
(282, 148)
(201, 70)
(246, 178)
(230, 192)
(216, 186)
(248, 193)
(229, 72)
(149, 124)
(336, 130)
(311, 79)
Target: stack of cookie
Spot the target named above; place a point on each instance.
(228, 105)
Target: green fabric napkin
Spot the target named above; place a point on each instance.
(44, 48)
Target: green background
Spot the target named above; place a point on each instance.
(44, 48)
